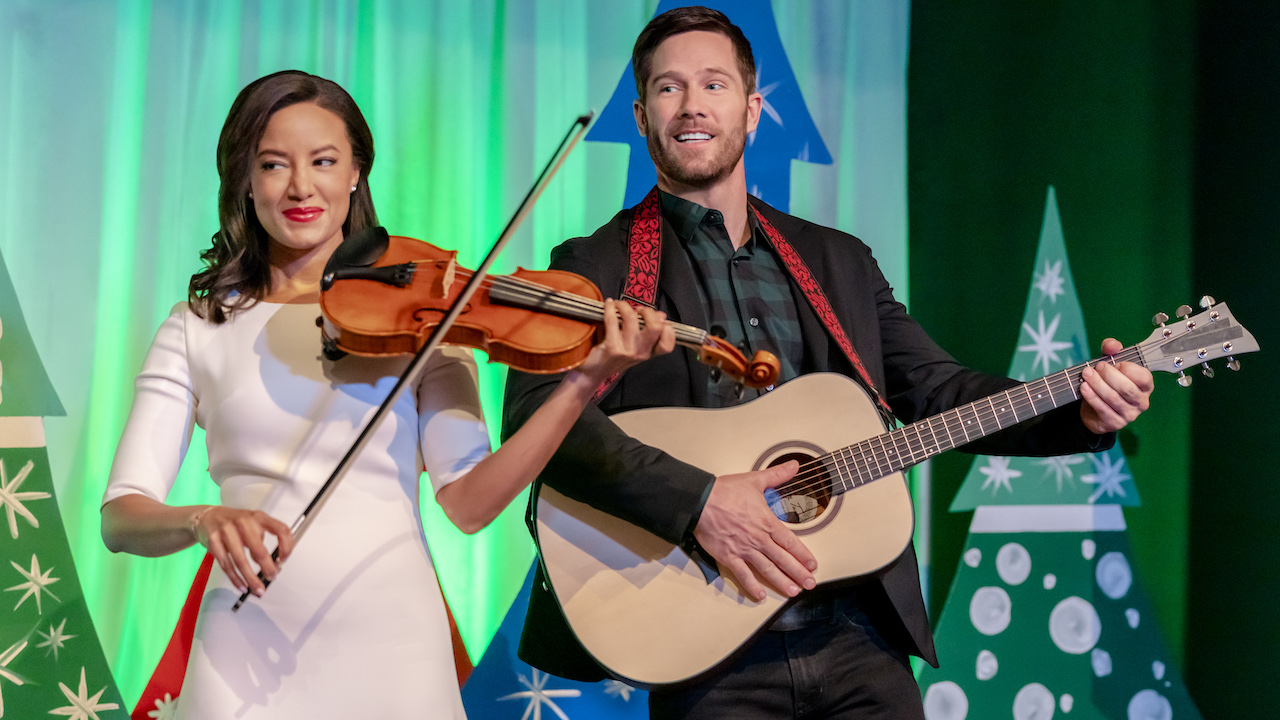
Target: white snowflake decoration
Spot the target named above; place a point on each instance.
(11, 500)
(166, 708)
(54, 639)
(765, 106)
(1109, 477)
(83, 707)
(37, 583)
(1060, 468)
(617, 688)
(538, 695)
(1050, 282)
(7, 657)
(1043, 344)
(998, 474)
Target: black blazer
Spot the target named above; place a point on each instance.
(599, 465)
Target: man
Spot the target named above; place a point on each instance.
(729, 262)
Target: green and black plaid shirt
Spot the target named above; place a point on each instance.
(746, 291)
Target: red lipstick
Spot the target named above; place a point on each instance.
(303, 214)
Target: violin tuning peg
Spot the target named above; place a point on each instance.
(1184, 379)
(715, 374)
(1183, 311)
(1207, 302)
(1233, 363)
(1207, 371)
(738, 390)
(1159, 319)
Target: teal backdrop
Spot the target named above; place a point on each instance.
(109, 116)
(1155, 122)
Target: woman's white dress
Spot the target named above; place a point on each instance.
(355, 624)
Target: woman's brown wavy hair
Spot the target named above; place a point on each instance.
(237, 274)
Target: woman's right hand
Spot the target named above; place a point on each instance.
(233, 536)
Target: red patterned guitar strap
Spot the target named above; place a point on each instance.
(644, 252)
(818, 301)
(644, 249)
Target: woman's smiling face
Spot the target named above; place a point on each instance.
(302, 180)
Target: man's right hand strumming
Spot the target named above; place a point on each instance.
(750, 542)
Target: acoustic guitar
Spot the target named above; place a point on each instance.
(647, 613)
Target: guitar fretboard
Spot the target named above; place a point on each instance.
(883, 455)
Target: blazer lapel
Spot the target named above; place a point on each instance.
(677, 282)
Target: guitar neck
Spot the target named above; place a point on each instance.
(912, 444)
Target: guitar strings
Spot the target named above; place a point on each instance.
(865, 453)
(815, 474)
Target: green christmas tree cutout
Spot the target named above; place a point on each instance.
(1052, 338)
(1045, 618)
(51, 663)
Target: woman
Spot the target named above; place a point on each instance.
(356, 625)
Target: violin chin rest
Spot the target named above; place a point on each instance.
(360, 249)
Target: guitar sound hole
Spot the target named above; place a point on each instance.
(804, 497)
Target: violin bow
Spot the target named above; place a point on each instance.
(299, 527)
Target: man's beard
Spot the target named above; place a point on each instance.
(702, 173)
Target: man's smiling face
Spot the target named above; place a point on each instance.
(696, 113)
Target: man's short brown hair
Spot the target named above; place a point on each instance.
(683, 20)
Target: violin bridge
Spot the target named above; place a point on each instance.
(450, 272)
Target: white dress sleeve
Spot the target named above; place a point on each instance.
(158, 431)
(451, 427)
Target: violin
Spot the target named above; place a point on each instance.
(382, 295)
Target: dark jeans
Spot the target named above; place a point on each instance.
(840, 668)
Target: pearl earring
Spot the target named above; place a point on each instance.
(250, 194)
(353, 188)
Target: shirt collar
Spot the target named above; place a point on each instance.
(686, 216)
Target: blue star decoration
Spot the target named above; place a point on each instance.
(786, 131)
(503, 688)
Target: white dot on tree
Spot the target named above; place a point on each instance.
(945, 701)
(1114, 575)
(1157, 670)
(1101, 661)
(1013, 563)
(1066, 702)
(972, 557)
(1149, 705)
(1033, 702)
(990, 610)
(1050, 580)
(1088, 548)
(1132, 616)
(987, 665)
(1074, 625)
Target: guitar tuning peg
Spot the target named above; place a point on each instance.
(1207, 302)
(1159, 319)
(1208, 371)
(1233, 363)
(1183, 311)
(1184, 379)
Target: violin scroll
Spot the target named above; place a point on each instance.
(763, 370)
(760, 372)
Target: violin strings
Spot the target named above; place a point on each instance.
(576, 306)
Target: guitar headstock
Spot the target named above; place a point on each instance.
(1193, 340)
